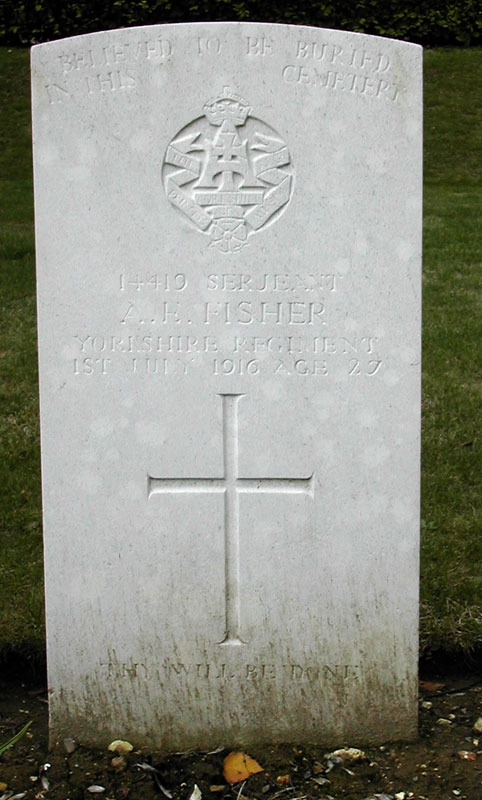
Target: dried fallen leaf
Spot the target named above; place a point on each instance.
(466, 755)
(283, 780)
(239, 767)
(155, 775)
(217, 788)
(430, 686)
(120, 747)
(321, 781)
(349, 754)
(477, 726)
(3, 786)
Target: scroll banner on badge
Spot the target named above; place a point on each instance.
(190, 169)
(266, 168)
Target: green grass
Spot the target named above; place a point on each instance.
(451, 613)
(21, 592)
(452, 369)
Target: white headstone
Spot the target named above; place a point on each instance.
(228, 224)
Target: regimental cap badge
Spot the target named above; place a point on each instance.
(228, 172)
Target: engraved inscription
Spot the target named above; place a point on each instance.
(351, 82)
(230, 486)
(351, 70)
(259, 46)
(120, 53)
(111, 69)
(56, 93)
(229, 173)
(110, 81)
(357, 58)
(208, 46)
(162, 334)
(355, 71)
(310, 674)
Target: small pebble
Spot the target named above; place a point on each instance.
(443, 721)
(119, 763)
(70, 745)
(478, 726)
(452, 717)
(427, 705)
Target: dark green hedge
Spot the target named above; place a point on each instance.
(432, 23)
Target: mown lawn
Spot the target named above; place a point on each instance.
(451, 615)
(21, 598)
(451, 564)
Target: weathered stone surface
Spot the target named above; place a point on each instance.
(228, 224)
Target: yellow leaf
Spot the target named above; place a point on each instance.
(120, 747)
(239, 767)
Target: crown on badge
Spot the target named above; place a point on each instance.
(226, 106)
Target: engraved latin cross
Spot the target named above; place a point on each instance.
(231, 486)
